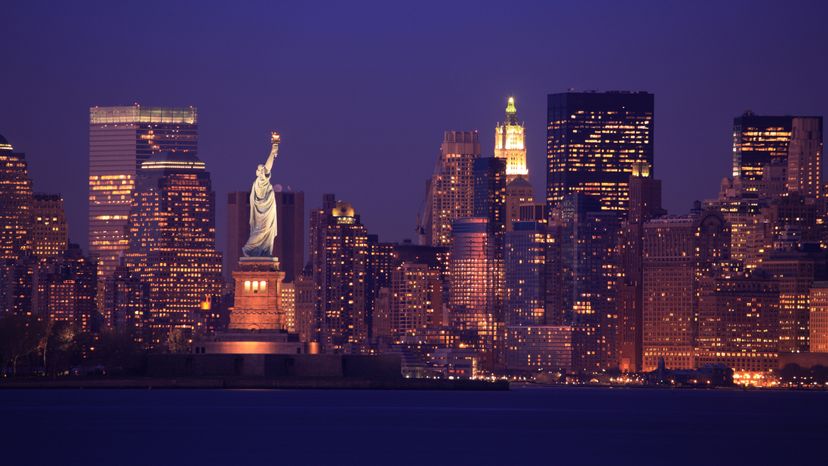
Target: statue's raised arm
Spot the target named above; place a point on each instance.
(263, 208)
(275, 138)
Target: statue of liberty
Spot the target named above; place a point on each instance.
(263, 208)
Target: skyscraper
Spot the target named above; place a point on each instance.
(15, 203)
(525, 272)
(791, 142)
(592, 141)
(451, 194)
(16, 231)
(587, 266)
(645, 204)
(471, 283)
(343, 262)
(510, 143)
(120, 139)
(50, 235)
(172, 243)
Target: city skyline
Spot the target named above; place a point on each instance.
(237, 121)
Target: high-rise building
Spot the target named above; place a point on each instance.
(451, 191)
(510, 143)
(289, 245)
(15, 203)
(593, 139)
(738, 320)
(793, 143)
(16, 231)
(120, 139)
(343, 259)
(471, 283)
(490, 203)
(525, 272)
(172, 243)
(645, 204)
(378, 269)
(818, 327)
(586, 266)
(678, 252)
(50, 235)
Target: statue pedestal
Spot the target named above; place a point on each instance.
(258, 290)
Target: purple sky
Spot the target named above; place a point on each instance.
(361, 92)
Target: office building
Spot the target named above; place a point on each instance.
(471, 283)
(678, 252)
(120, 139)
(593, 139)
(343, 262)
(172, 244)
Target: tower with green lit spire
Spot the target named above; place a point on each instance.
(510, 143)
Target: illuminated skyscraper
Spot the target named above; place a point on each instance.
(172, 243)
(510, 143)
(472, 283)
(645, 204)
(792, 142)
(451, 191)
(15, 203)
(343, 259)
(15, 230)
(818, 327)
(120, 139)
(50, 235)
(592, 141)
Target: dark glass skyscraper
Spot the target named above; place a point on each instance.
(593, 139)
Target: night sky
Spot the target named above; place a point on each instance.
(361, 92)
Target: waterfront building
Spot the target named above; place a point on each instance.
(678, 252)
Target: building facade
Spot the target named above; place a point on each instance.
(120, 139)
(172, 244)
(593, 139)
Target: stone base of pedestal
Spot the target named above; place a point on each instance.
(256, 306)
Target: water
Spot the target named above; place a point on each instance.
(522, 426)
